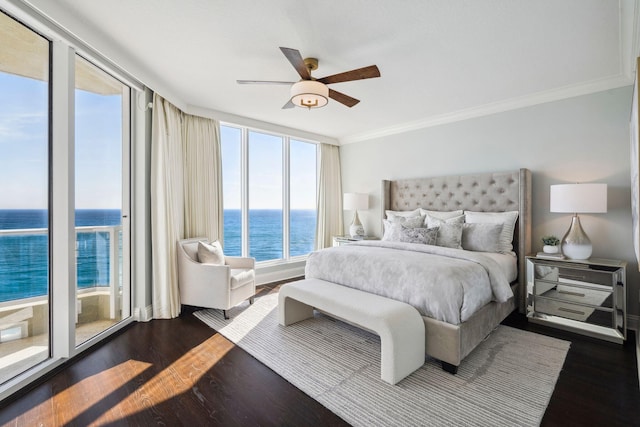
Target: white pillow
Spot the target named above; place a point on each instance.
(441, 214)
(210, 253)
(508, 221)
(405, 214)
(432, 221)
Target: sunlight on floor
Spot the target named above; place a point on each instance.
(180, 377)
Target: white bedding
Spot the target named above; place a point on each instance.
(507, 262)
(442, 283)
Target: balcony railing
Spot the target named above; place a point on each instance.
(98, 267)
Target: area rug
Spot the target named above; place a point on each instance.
(506, 381)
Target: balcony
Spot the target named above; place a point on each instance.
(24, 302)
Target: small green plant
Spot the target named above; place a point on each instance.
(550, 240)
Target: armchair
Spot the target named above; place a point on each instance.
(213, 286)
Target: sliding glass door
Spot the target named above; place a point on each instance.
(101, 144)
(24, 198)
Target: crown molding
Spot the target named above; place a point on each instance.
(495, 107)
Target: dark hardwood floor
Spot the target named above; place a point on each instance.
(180, 372)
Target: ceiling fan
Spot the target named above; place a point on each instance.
(310, 92)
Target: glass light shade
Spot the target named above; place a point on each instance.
(309, 94)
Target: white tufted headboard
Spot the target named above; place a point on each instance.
(485, 192)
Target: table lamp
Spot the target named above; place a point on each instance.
(575, 199)
(353, 202)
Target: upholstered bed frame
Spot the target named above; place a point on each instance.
(486, 192)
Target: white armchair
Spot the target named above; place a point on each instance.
(214, 286)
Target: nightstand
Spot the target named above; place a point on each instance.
(343, 240)
(583, 296)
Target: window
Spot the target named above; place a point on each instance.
(50, 149)
(24, 201)
(269, 184)
(101, 140)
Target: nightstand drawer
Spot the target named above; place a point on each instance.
(575, 294)
(578, 276)
(576, 312)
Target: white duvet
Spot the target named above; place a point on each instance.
(443, 283)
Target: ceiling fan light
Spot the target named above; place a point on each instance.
(309, 94)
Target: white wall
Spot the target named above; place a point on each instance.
(582, 139)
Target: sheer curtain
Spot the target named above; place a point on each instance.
(167, 206)
(330, 221)
(186, 194)
(202, 178)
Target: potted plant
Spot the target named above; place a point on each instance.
(550, 245)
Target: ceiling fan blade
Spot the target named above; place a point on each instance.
(342, 98)
(288, 105)
(359, 74)
(262, 82)
(293, 55)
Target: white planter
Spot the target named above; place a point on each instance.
(548, 249)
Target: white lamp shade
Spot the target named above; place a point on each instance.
(355, 201)
(578, 198)
(309, 94)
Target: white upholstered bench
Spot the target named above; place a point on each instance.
(399, 325)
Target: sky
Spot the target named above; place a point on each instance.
(24, 146)
(24, 152)
(265, 171)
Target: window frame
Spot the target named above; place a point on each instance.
(286, 187)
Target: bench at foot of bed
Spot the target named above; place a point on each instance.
(399, 325)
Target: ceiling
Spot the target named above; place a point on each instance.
(440, 60)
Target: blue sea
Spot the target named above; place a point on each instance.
(24, 257)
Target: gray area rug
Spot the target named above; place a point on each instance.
(506, 381)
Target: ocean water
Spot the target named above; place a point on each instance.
(24, 258)
(265, 233)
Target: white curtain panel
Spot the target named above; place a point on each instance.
(167, 206)
(202, 178)
(330, 221)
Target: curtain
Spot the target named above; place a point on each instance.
(329, 214)
(202, 178)
(167, 206)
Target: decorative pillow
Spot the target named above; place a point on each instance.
(404, 214)
(210, 253)
(441, 214)
(507, 219)
(481, 237)
(392, 228)
(426, 236)
(432, 221)
(450, 236)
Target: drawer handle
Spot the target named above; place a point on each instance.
(568, 310)
(575, 294)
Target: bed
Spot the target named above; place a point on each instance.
(448, 339)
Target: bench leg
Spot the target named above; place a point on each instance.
(291, 311)
(448, 367)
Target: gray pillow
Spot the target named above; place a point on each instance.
(450, 236)
(210, 253)
(392, 233)
(426, 236)
(481, 237)
(434, 221)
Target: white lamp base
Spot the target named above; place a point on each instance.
(576, 244)
(356, 230)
